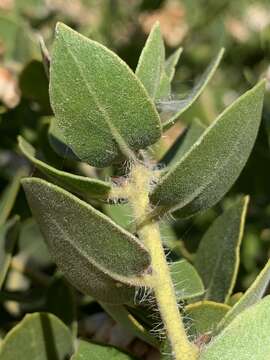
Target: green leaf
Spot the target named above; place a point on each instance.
(31, 244)
(186, 280)
(16, 39)
(151, 62)
(79, 184)
(254, 293)
(193, 134)
(87, 351)
(9, 195)
(217, 258)
(96, 255)
(246, 337)
(38, 336)
(179, 106)
(8, 237)
(164, 90)
(205, 316)
(171, 63)
(99, 103)
(211, 166)
(122, 316)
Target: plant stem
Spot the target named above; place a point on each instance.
(160, 280)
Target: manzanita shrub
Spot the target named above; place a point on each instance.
(110, 118)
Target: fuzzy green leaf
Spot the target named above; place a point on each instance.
(205, 316)
(38, 336)
(151, 62)
(217, 258)
(87, 351)
(246, 337)
(194, 132)
(179, 106)
(254, 293)
(96, 255)
(8, 237)
(9, 195)
(99, 103)
(211, 166)
(79, 184)
(186, 280)
(164, 90)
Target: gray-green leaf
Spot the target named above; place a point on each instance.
(211, 166)
(254, 293)
(246, 337)
(179, 106)
(99, 103)
(8, 237)
(186, 280)
(38, 336)
(98, 257)
(79, 184)
(151, 62)
(217, 258)
(164, 90)
(87, 351)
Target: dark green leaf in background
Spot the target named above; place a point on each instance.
(218, 256)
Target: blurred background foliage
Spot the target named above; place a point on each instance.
(201, 28)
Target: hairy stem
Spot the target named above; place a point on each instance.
(160, 280)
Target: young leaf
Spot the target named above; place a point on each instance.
(254, 293)
(151, 62)
(9, 195)
(179, 106)
(96, 255)
(171, 63)
(38, 336)
(186, 280)
(205, 315)
(164, 90)
(217, 258)
(99, 103)
(122, 316)
(8, 237)
(87, 351)
(246, 337)
(79, 184)
(213, 163)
